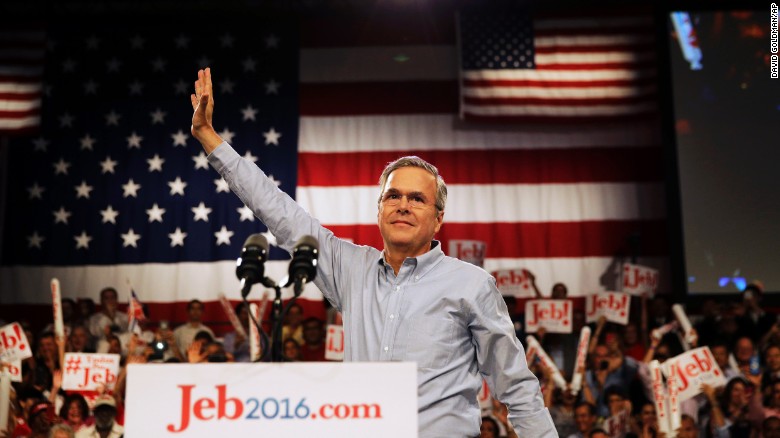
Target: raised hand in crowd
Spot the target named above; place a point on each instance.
(501, 413)
(195, 353)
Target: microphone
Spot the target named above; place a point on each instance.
(303, 266)
(250, 268)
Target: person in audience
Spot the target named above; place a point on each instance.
(79, 340)
(772, 399)
(585, 417)
(292, 327)
(236, 344)
(70, 317)
(598, 433)
(40, 419)
(47, 353)
(291, 350)
(742, 406)
(720, 352)
(608, 368)
(75, 411)
(61, 431)
(561, 405)
(771, 372)
(185, 333)
(488, 428)
(85, 308)
(688, 427)
(633, 346)
(105, 420)
(756, 321)
(313, 348)
(770, 428)
(109, 319)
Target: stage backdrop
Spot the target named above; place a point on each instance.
(560, 172)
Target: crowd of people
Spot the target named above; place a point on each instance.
(41, 408)
(743, 337)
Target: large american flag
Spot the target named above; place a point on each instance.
(561, 201)
(114, 189)
(21, 73)
(584, 68)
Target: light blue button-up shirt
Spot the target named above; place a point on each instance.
(444, 314)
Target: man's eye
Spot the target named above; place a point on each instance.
(418, 199)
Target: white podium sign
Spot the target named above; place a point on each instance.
(285, 399)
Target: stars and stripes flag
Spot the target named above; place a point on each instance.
(135, 313)
(114, 187)
(562, 200)
(558, 200)
(584, 68)
(21, 73)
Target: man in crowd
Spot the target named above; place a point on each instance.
(185, 333)
(105, 420)
(109, 319)
(313, 348)
(408, 302)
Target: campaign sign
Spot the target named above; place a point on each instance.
(470, 251)
(334, 342)
(484, 399)
(615, 306)
(13, 369)
(90, 371)
(514, 283)
(13, 343)
(639, 280)
(272, 399)
(552, 315)
(695, 367)
(617, 425)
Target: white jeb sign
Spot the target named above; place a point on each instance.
(284, 399)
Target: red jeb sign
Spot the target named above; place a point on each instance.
(334, 343)
(695, 367)
(639, 280)
(13, 343)
(552, 315)
(613, 305)
(514, 282)
(470, 251)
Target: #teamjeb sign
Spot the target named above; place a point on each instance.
(89, 371)
(279, 399)
(552, 315)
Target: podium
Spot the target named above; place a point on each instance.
(317, 399)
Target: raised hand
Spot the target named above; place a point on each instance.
(203, 110)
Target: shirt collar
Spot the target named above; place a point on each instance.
(424, 262)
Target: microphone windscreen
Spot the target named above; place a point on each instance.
(307, 241)
(257, 240)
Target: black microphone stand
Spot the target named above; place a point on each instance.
(277, 320)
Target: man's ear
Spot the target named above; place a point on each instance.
(439, 220)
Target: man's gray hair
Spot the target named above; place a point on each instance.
(61, 427)
(414, 161)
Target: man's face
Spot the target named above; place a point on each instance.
(104, 417)
(647, 415)
(687, 429)
(559, 292)
(743, 350)
(615, 403)
(312, 333)
(195, 312)
(721, 355)
(405, 227)
(79, 338)
(584, 419)
(108, 300)
(771, 428)
(47, 346)
(773, 358)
